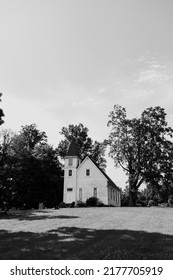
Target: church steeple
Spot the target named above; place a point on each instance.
(72, 161)
(73, 150)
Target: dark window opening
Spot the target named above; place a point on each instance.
(88, 172)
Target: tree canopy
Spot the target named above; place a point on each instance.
(141, 146)
(30, 169)
(1, 112)
(86, 146)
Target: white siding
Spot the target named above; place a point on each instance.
(113, 196)
(81, 186)
(95, 180)
(70, 181)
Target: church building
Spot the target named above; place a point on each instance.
(85, 179)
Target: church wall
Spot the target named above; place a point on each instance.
(94, 184)
(70, 180)
(87, 181)
(113, 196)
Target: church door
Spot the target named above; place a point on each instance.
(70, 195)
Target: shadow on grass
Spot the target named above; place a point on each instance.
(32, 216)
(84, 244)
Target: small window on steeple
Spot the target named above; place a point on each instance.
(70, 162)
(70, 173)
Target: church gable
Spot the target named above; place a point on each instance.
(91, 182)
(88, 169)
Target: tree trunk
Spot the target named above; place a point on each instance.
(132, 192)
(132, 198)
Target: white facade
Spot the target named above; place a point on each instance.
(84, 180)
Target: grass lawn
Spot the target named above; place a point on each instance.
(88, 233)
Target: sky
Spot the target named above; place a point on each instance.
(70, 61)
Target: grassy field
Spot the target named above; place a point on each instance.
(88, 233)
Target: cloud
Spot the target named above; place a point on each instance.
(153, 70)
(87, 102)
(101, 90)
(137, 94)
(155, 74)
(142, 82)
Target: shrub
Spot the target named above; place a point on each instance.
(142, 203)
(72, 205)
(62, 205)
(164, 204)
(99, 203)
(124, 197)
(170, 202)
(152, 203)
(80, 203)
(92, 201)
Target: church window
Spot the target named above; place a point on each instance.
(114, 195)
(69, 189)
(80, 194)
(95, 192)
(70, 162)
(111, 192)
(87, 172)
(70, 173)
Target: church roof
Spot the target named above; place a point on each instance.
(73, 150)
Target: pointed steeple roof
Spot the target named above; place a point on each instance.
(73, 149)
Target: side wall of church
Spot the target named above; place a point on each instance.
(113, 196)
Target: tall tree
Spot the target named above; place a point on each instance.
(3, 149)
(6, 167)
(32, 136)
(36, 169)
(138, 145)
(1, 112)
(86, 146)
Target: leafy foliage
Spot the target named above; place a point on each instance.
(31, 172)
(1, 112)
(142, 147)
(92, 201)
(86, 146)
(124, 196)
(80, 204)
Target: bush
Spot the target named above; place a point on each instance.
(141, 203)
(170, 202)
(152, 203)
(99, 203)
(80, 203)
(164, 204)
(72, 205)
(125, 197)
(62, 205)
(92, 201)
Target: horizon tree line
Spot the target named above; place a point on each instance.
(31, 170)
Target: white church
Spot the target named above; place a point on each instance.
(85, 179)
